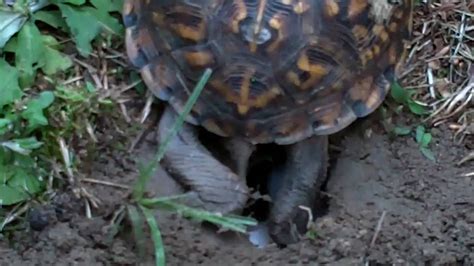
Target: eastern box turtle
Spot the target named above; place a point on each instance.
(288, 72)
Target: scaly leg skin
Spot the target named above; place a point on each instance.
(240, 152)
(297, 184)
(212, 186)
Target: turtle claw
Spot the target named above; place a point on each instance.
(294, 189)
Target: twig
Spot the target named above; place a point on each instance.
(377, 230)
(310, 215)
(105, 183)
(466, 159)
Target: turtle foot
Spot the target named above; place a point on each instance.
(212, 186)
(294, 188)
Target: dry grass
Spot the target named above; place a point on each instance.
(440, 64)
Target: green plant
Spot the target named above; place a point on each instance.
(423, 139)
(405, 98)
(30, 139)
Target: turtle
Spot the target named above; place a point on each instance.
(284, 72)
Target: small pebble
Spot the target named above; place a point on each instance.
(259, 236)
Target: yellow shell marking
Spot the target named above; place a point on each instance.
(356, 7)
(360, 32)
(301, 6)
(198, 59)
(331, 8)
(240, 14)
(276, 23)
(316, 72)
(243, 106)
(243, 99)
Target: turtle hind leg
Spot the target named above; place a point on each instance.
(212, 185)
(294, 188)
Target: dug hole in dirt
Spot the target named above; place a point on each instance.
(387, 203)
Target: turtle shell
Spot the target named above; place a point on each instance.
(283, 70)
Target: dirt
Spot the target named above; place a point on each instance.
(425, 210)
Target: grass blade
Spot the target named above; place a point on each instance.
(146, 173)
(233, 222)
(156, 236)
(137, 226)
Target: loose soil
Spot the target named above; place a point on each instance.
(425, 211)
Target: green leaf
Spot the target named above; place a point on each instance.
(11, 45)
(13, 18)
(30, 143)
(5, 168)
(108, 5)
(82, 32)
(10, 196)
(73, 2)
(98, 18)
(13, 146)
(156, 237)
(399, 94)
(416, 108)
(402, 131)
(137, 227)
(403, 96)
(9, 89)
(17, 177)
(428, 153)
(312, 234)
(425, 140)
(90, 87)
(420, 131)
(22, 146)
(28, 52)
(103, 7)
(140, 87)
(34, 5)
(34, 110)
(22, 180)
(52, 18)
(52, 60)
(232, 222)
(10, 23)
(5, 174)
(4, 125)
